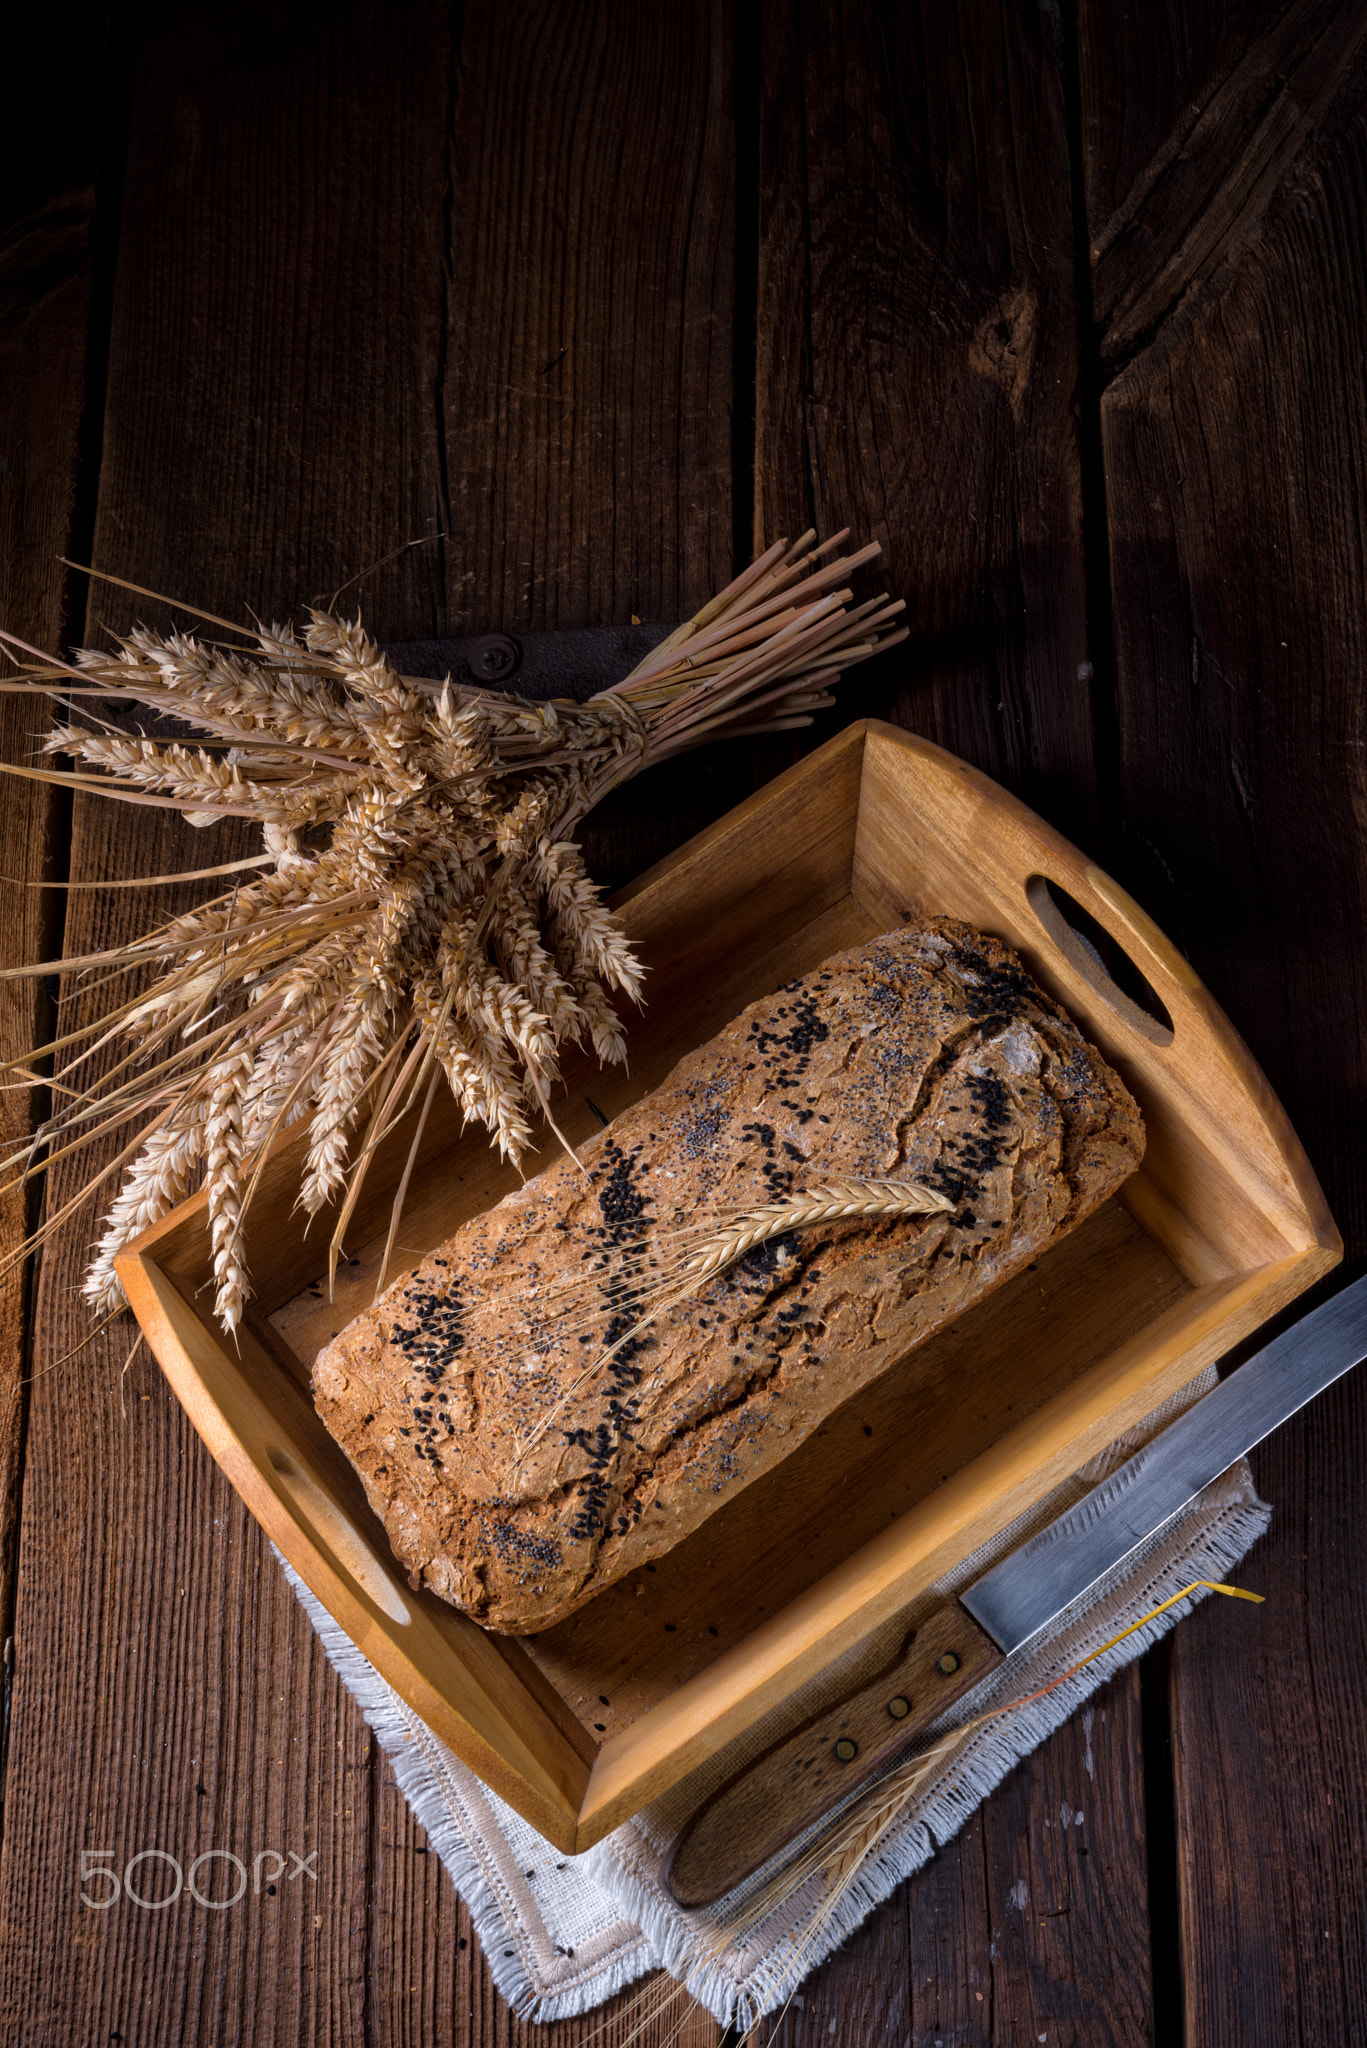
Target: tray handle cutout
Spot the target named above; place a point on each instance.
(1152, 1020)
(339, 1535)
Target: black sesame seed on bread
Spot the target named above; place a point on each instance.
(929, 1055)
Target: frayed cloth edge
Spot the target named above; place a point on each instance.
(432, 1810)
(970, 1778)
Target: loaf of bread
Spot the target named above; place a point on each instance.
(515, 1482)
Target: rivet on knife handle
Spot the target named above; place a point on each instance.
(776, 1796)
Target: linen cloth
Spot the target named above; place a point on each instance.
(563, 1933)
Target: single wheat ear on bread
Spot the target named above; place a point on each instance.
(528, 1418)
(659, 1284)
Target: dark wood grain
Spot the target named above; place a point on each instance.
(588, 321)
(1066, 1853)
(433, 1987)
(1019, 1929)
(1234, 442)
(586, 396)
(1178, 234)
(157, 1648)
(918, 376)
(863, 1994)
(1049, 1938)
(917, 365)
(389, 274)
(326, 224)
(276, 348)
(46, 266)
(169, 1693)
(1268, 1721)
(1130, 136)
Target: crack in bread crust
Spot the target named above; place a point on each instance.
(928, 1053)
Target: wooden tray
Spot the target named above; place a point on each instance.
(1223, 1225)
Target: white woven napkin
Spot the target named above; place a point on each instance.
(563, 1933)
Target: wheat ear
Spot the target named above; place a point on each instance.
(859, 1833)
(449, 903)
(837, 1201)
(834, 1201)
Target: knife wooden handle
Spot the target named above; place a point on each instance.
(783, 1791)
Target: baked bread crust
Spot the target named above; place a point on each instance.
(928, 1054)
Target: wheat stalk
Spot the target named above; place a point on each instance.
(420, 890)
(699, 1253)
(834, 1201)
(836, 1858)
(838, 1855)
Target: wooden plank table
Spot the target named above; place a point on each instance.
(541, 316)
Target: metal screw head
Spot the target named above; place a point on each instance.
(947, 1665)
(492, 657)
(846, 1751)
(899, 1708)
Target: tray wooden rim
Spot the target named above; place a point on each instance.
(488, 1701)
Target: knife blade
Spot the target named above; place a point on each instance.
(781, 1792)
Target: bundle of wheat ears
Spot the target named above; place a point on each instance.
(422, 909)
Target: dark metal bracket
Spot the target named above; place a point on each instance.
(576, 663)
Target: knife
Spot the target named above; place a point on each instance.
(781, 1792)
